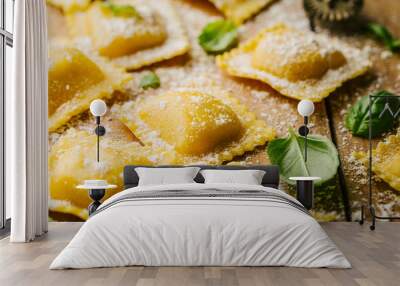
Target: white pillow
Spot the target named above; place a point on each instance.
(166, 176)
(247, 177)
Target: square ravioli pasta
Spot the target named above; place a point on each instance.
(77, 78)
(195, 125)
(68, 6)
(300, 65)
(72, 159)
(131, 33)
(386, 160)
(240, 10)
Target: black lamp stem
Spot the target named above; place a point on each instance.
(303, 131)
(305, 148)
(100, 131)
(98, 138)
(305, 138)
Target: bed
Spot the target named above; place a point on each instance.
(198, 224)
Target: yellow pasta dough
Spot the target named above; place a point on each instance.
(72, 160)
(386, 160)
(119, 34)
(298, 64)
(195, 126)
(132, 33)
(240, 10)
(70, 5)
(75, 79)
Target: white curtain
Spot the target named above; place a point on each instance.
(26, 124)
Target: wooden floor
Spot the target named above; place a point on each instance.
(375, 257)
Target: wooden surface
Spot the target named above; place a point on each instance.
(278, 111)
(375, 257)
(383, 75)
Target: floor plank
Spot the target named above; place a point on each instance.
(375, 257)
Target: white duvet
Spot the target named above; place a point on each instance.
(200, 231)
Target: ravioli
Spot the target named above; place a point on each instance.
(195, 126)
(298, 64)
(75, 79)
(72, 159)
(69, 6)
(116, 34)
(240, 10)
(386, 160)
(131, 33)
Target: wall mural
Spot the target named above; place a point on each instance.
(190, 82)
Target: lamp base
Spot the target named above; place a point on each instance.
(305, 193)
(96, 195)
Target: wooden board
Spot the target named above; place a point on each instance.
(385, 74)
(278, 111)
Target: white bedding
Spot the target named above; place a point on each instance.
(200, 231)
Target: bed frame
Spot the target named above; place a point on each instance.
(271, 178)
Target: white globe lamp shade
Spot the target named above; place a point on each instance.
(98, 107)
(305, 107)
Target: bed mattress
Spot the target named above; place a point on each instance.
(201, 225)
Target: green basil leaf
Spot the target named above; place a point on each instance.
(395, 45)
(126, 11)
(218, 37)
(380, 32)
(288, 154)
(357, 118)
(150, 80)
(383, 34)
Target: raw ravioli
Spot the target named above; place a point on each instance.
(72, 159)
(386, 160)
(75, 79)
(298, 64)
(151, 34)
(70, 5)
(240, 10)
(195, 125)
